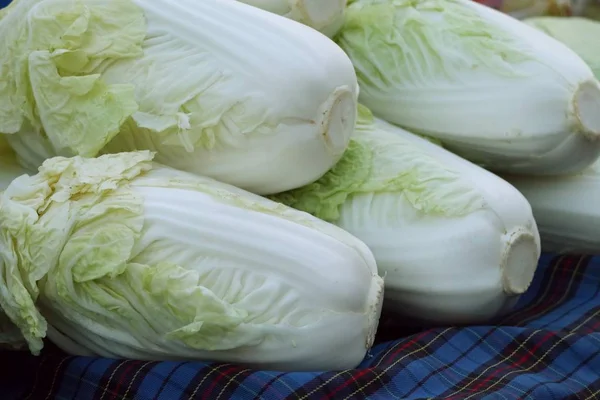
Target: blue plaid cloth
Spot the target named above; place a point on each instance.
(548, 348)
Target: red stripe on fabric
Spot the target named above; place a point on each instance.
(407, 344)
(123, 379)
(214, 382)
(517, 363)
(367, 370)
(594, 328)
(566, 269)
(348, 381)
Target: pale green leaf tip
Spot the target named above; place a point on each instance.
(389, 40)
(380, 160)
(41, 71)
(30, 243)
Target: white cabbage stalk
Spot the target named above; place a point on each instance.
(129, 259)
(218, 88)
(326, 16)
(455, 243)
(581, 35)
(493, 89)
(565, 209)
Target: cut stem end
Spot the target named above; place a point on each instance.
(586, 104)
(519, 262)
(338, 120)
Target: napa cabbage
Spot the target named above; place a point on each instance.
(455, 243)
(117, 256)
(217, 88)
(493, 89)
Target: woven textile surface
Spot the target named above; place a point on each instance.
(548, 348)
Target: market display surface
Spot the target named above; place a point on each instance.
(549, 348)
(345, 199)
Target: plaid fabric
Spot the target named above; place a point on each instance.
(549, 348)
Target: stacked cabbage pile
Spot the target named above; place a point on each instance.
(220, 181)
